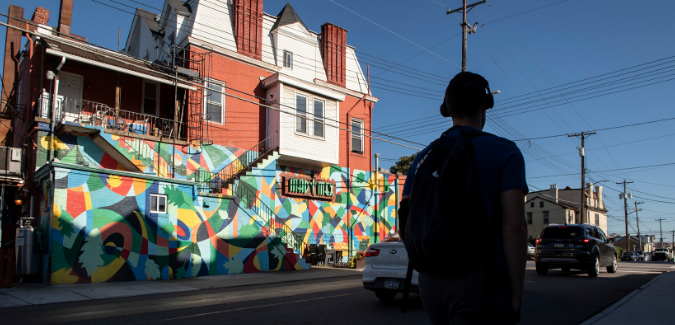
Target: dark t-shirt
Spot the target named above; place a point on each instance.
(500, 167)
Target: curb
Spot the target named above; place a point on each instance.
(597, 317)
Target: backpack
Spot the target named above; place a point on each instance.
(446, 211)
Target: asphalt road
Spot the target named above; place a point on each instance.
(557, 298)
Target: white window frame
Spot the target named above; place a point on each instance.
(316, 120)
(297, 112)
(222, 100)
(360, 136)
(155, 209)
(288, 59)
(157, 85)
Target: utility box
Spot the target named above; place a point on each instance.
(10, 161)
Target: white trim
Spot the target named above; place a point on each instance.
(156, 98)
(114, 68)
(351, 137)
(297, 83)
(222, 84)
(154, 209)
(297, 112)
(323, 117)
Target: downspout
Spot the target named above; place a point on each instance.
(396, 197)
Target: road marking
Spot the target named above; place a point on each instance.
(245, 308)
(643, 272)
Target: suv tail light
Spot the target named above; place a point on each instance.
(585, 241)
(538, 241)
(372, 252)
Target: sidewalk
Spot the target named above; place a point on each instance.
(38, 294)
(649, 304)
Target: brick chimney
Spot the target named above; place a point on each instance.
(65, 16)
(334, 53)
(41, 15)
(248, 20)
(553, 192)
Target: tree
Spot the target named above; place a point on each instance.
(403, 164)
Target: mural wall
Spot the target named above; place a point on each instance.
(102, 230)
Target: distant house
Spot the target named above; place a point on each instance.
(554, 206)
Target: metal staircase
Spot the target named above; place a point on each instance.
(250, 200)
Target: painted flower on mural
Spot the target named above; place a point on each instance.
(92, 251)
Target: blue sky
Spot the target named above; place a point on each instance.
(569, 40)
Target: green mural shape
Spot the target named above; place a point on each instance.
(94, 183)
(178, 198)
(326, 219)
(181, 272)
(152, 270)
(234, 266)
(92, 251)
(65, 223)
(249, 231)
(217, 155)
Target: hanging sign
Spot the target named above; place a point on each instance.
(307, 187)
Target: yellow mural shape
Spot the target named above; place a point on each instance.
(104, 273)
(58, 144)
(63, 276)
(140, 185)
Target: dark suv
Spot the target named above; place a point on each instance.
(584, 247)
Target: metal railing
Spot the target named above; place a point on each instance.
(217, 181)
(278, 229)
(88, 112)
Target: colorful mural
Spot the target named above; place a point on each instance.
(102, 229)
(152, 157)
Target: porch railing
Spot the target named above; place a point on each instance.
(209, 182)
(88, 112)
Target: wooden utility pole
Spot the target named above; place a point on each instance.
(660, 231)
(582, 154)
(465, 27)
(625, 211)
(637, 220)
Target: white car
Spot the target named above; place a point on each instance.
(386, 267)
(530, 250)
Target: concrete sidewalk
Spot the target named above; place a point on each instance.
(38, 294)
(649, 304)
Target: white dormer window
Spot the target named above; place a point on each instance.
(288, 60)
(301, 111)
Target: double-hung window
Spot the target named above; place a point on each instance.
(529, 218)
(150, 98)
(157, 203)
(318, 118)
(288, 60)
(597, 219)
(301, 113)
(357, 136)
(546, 217)
(215, 104)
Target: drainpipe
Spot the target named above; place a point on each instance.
(55, 77)
(396, 189)
(377, 190)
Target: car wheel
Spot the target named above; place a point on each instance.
(385, 295)
(594, 269)
(612, 268)
(541, 269)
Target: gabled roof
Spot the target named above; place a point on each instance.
(181, 7)
(151, 19)
(547, 200)
(287, 16)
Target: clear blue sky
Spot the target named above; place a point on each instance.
(570, 40)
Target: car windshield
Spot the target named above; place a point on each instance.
(562, 232)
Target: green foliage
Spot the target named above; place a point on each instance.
(619, 251)
(403, 164)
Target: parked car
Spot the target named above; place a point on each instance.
(530, 250)
(386, 267)
(662, 254)
(631, 256)
(584, 247)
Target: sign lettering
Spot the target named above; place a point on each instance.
(311, 188)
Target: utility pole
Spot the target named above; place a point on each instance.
(582, 154)
(465, 27)
(625, 210)
(638, 222)
(660, 231)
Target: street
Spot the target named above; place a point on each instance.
(556, 298)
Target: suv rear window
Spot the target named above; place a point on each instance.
(563, 232)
